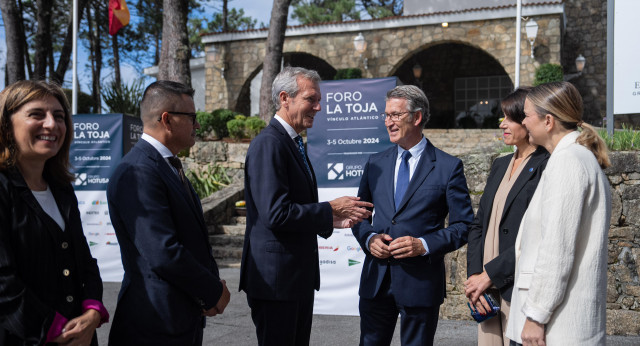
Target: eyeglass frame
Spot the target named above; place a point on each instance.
(192, 115)
(395, 116)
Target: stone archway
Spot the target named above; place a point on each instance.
(457, 77)
(247, 102)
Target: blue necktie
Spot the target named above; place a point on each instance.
(403, 178)
(298, 140)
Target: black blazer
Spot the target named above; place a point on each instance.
(170, 275)
(284, 218)
(34, 253)
(501, 268)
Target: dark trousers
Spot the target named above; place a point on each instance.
(282, 323)
(378, 317)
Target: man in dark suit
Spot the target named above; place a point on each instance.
(171, 280)
(414, 186)
(280, 268)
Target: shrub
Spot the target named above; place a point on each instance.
(348, 73)
(206, 121)
(209, 179)
(254, 125)
(85, 101)
(219, 122)
(625, 139)
(124, 98)
(240, 117)
(548, 73)
(236, 129)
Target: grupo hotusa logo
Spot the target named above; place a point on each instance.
(336, 171)
(353, 262)
(84, 179)
(112, 243)
(81, 179)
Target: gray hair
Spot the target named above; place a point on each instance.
(416, 100)
(287, 81)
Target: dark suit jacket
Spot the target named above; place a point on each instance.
(501, 268)
(170, 275)
(438, 188)
(34, 252)
(280, 255)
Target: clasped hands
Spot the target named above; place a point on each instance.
(348, 211)
(383, 246)
(222, 302)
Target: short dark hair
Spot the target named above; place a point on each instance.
(513, 104)
(416, 100)
(12, 98)
(160, 96)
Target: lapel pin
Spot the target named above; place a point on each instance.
(531, 169)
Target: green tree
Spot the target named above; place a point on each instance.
(321, 11)
(383, 8)
(236, 20)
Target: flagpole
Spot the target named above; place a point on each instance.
(517, 65)
(74, 53)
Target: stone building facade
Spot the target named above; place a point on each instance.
(395, 45)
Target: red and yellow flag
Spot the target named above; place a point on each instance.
(118, 15)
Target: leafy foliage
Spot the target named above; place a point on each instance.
(348, 73)
(219, 122)
(321, 11)
(84, 101)
(625, 139)
(236, 20)
(236, 128)
(548, 73)
(124, 98)
(209, 179)
(206, 121)
(254, 125)
(383, 8)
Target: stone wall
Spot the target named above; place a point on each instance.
(623, 289)
(586, 33)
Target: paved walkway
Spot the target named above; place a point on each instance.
(235, 327)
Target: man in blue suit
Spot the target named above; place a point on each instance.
(280, 268)
(414, 186)
(171, 280)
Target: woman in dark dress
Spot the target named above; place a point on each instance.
(50, 286)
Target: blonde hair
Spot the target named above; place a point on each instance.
(563, 101)
(12, 98)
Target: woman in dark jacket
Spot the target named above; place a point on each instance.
(50, 286)
(490, 253)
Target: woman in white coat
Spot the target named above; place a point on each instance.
(559, 295)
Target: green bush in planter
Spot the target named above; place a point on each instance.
(548, 73)
(220, 118)
(236, 129)
(206, 121)
(348, 73)
(254, 125)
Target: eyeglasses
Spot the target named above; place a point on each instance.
(394, 116)
(192, 115)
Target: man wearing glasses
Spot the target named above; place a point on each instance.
(414, 186)
(171, 280)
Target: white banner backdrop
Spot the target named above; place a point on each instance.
(341, 261)
(626, 68)
(100, 235)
